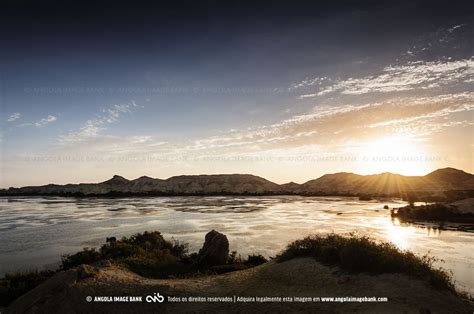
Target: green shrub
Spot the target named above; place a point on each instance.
(86, 256)
(150, 241)
(358, 254)
(146, 240)
(177, 248)
(118, 250)
(255, 260)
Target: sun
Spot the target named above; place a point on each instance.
(396, 154)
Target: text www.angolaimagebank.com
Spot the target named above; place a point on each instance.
(278, 299)
(353, 299)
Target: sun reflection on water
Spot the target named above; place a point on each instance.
(398, 235)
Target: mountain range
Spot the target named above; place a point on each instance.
(438, 183)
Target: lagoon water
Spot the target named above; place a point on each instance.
(36, 231)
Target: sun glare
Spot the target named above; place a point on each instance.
(398, 235)
(396, 154)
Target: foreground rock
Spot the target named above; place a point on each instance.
(215, 250)
(66, 292)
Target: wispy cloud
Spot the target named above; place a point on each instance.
(14, 116)
(47, 120)
(317, 81)
(40, 123)
(93, 127)
(334, 125)
(452, 29)
(450, 41)
(414, 75)
(414, 69)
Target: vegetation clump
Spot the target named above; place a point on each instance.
(361, 254)
(147, 254)
(252, 259)
(255, 260)
(432, 212)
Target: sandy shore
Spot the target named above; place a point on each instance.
(66, 292)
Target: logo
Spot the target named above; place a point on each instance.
(156, 297)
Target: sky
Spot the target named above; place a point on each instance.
(286, 91)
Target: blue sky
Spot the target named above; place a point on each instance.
(284, 94)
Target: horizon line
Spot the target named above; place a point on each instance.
(248, 174)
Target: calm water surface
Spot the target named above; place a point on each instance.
(36, 231)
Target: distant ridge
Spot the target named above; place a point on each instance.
(116, 180)
(442, 183)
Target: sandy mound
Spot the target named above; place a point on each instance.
(66, 292)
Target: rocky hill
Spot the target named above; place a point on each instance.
(434, 184)
(390, 184)
(224, 184)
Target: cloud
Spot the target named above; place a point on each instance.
(411, 76)
(465, 103)
(441, 58)
(333, 126)
(453, 41)
(42, 122)
(309, 82)
(47, 120)
(452, 29)
(93, 127)
(14, 116)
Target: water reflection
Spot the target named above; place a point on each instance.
(400, 236)
(435, 227)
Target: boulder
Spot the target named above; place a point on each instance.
(215, 250)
